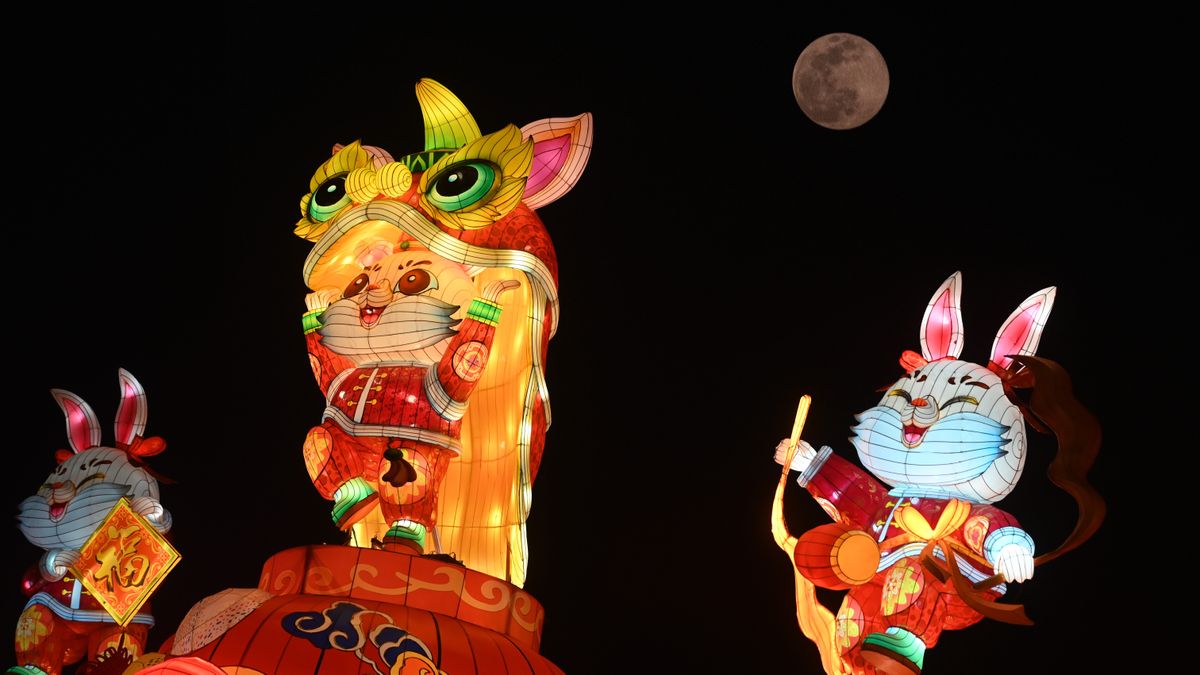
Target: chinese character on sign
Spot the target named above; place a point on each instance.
(124, 562)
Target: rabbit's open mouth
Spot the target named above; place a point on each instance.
(57, 509)
(369, 315)
(912, 435)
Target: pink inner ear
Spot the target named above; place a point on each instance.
(941, 327)
(127, 413)
(548, 157)
(1012, 339)
(77, 424)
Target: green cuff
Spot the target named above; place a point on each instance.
(409, 530)
(898, 642)
(311, 320)
(484, 311)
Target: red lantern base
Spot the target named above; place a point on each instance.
(323, 610)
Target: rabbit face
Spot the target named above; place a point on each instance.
(77, 496)
(402, 307)
(946, 429)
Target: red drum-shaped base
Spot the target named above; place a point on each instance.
(336, 609)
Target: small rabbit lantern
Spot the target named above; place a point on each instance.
(63, 623)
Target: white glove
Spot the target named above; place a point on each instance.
(55, 563)
(805, 454)
(1014, 562)
(148, 507)
(494, 289)
(322, 298)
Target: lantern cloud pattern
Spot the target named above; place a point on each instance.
(916, 539)
(62, 622)
(434, 295)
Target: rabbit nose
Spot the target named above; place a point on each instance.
(920, 402)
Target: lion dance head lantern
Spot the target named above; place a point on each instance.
(434, 296)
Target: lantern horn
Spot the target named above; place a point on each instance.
(448, 123)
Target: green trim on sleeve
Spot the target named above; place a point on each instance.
(484, 311)
(311, 320)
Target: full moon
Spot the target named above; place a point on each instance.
(840, 81)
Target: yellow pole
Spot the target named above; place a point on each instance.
(797, 429)
(816, 622)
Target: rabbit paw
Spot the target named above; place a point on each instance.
(322, 298)
(804, 454)
(1014, 562)
(494, 289)
(148, 507)
(55, 564)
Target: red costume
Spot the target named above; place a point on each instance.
(903, 592)
(413, 408)
(74, 634)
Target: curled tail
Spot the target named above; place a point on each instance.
(816, 622)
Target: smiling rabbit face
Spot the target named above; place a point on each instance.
(947, 427)
(90, 478)
(78, 495)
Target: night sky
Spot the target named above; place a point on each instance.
(721, 256)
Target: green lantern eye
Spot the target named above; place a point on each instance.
(462, 185)
(328, 198)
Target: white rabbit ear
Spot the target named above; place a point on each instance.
(1022, 331)
(942, 325)
(83, 428)
(132, 411)
(561, 147)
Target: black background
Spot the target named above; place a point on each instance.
(721, 256)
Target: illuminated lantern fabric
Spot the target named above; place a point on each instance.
(434, 295)
(123, 562)
(340, 609)
(63, 622)
(916, 539)
(186, 666)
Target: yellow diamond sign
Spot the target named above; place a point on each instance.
(124, 561)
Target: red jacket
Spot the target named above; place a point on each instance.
(404, 399)
(853, 496)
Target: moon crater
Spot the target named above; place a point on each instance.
(840, 81)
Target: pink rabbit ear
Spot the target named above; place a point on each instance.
(942, 326)
(83, 428)
(561, 147)
(1022, 331)
(378, 156)
(132, 412)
